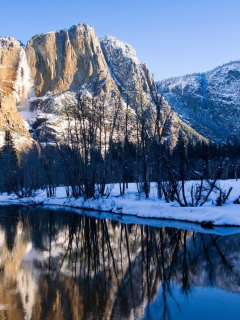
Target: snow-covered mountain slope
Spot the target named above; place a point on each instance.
(65, 62)
(209, 102)
(134, 81)
(130, 75)
(51, 118)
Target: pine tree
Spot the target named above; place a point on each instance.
(8, 159)
(8, 153)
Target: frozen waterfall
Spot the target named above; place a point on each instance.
(23, 82)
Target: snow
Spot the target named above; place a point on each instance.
(26, 115)
(199, 98)
(18, 139)
(131, 204)
(120, 47)
(8, 41)
(124, 66)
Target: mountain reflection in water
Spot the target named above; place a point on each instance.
(62, 265)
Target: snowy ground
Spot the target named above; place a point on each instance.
(132, 204)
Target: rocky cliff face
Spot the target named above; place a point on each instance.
(68, 60)
(10, 50)
(11, 91)
(131, 75)
(209, 101)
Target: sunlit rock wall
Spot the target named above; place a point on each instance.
(68, 60)
(10, 119)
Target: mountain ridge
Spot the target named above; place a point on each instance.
(210, 100)
(74, 59)
(67, 61)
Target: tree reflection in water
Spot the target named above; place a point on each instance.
(63, 265)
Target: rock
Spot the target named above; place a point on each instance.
(237, 201)
(10, 118)
(207, 224)
(130, 74)
(68, 60)
(10, 50)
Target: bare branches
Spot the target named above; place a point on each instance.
(200, 191)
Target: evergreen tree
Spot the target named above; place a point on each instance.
(8, 153)
(8, 159)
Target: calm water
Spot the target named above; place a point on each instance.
(58, 265)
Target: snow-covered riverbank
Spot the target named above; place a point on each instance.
(133, 204)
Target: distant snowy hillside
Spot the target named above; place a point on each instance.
(209, 102)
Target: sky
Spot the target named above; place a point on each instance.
(173, 37)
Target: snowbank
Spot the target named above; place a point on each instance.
(131, 204)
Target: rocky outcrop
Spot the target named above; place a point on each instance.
(209, 101)
(10, 51)
(68, 60)
(9, 116)
(131, 75)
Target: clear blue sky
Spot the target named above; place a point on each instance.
(173, 37)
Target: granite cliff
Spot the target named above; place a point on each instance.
(68, 60)
(12, 91)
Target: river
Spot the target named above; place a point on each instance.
(58, 265)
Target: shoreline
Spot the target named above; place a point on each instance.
(208, 215)
(221, 230)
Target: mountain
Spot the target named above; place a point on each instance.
(209, 101)
(45, 78)
(65, 62)
(133, 77)
(12, 91)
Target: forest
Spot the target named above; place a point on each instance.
(106, 145)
